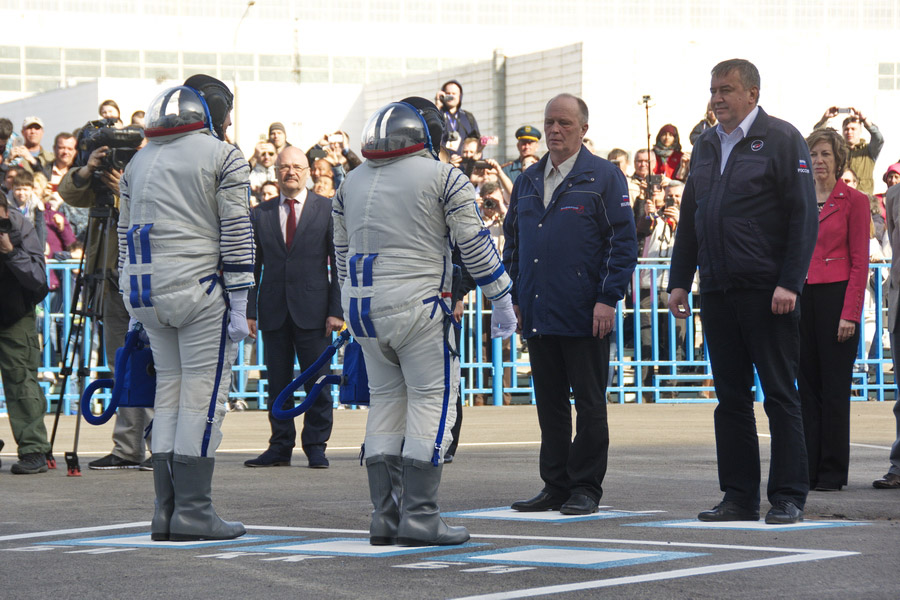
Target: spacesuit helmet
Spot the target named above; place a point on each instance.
(218, 97)
(397, 129)
(177, 110)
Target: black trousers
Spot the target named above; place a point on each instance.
(826, 368)
(280, 346)
(559, 363)
(741, 332)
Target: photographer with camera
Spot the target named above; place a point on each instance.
(458, 123)
(862, 154)
(95, 183)
(24, 282)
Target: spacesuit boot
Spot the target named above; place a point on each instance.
(420, 517)
(194, 517)
(165, 496)
(385, 480)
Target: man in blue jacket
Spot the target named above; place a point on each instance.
(571, 250)
(749, 221)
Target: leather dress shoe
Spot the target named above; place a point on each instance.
(268, 459)
(891, 481)
(784, 512)
(728, 511)
(541, 502)
(317, 458)
(579, 504)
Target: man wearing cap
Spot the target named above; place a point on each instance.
(32, 156)
(278, 137)
(528, 139)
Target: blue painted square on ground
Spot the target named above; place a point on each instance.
(746, 525)
(348, 547)
(569, 557)
(505, 513)
(142, 540)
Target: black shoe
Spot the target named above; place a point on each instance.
(268, 459)
(541, 502)
(827, 487)
(448, 458)
(316, 458)
(729, 511)
(147, 465)
(111, 461)
(1, 448)
(30, 464)
(579, 504)
(784, 512)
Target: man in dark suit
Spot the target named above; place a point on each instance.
(296, 306)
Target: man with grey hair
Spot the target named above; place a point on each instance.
(749, 223)
(571, 250)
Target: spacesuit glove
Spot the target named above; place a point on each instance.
(143, 335)
(238, 328)
(503, 317)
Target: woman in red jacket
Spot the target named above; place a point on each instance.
(668, 153)
(830, 310)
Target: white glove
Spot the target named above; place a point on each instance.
(143, 335)
(503, 317)
(237, 316)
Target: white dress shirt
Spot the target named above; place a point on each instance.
(730, 140)
(553, 176)
(284, 210)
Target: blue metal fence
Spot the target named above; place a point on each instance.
(680, 370)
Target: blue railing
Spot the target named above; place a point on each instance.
(652, 371)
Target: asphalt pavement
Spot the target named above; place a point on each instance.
(88, 536)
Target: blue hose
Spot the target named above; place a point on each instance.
(278, 410)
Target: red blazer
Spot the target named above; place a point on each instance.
(842, 247)
(669, 166)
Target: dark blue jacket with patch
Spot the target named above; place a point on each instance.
(754, 225)
(577, 252)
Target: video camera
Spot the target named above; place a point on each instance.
(122, 143)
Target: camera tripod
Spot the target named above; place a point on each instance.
(87, 303)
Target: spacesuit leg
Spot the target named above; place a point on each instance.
(386, 423)
(167, 362)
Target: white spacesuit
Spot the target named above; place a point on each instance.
(185, 243)
(396, 218)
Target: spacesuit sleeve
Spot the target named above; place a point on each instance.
(340, 236)
(236, 245)
(473, 239)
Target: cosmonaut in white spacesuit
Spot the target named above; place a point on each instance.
(396, 219)
(186, 258)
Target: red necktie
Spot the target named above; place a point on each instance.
(290, 227)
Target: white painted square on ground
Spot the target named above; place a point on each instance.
(346, 547)
(746, 525)
(568, 556)
(560, 556)
(508, 514)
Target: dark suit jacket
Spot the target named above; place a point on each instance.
(294, 281)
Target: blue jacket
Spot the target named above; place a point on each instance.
(754, 225)
(577, 252)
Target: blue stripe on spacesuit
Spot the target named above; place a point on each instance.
(367, 321)
(211, 414)
(438, 442)
(352, 270)
(355, 323)
(145, 259)
(368, 270)
(235, 268)
(483, 281)
(135, 296)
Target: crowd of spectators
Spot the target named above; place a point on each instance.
(31, 174)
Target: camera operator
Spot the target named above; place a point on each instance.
(459, 124)
(23, 279)
(75, 189)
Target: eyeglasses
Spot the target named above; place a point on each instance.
(267, 154)
(288, 168)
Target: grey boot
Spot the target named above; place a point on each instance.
(194, 517)
(420, 517)
(385, 473)
(165, 496)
